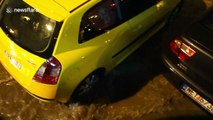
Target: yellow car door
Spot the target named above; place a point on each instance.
(153, 16)
(142, 22)
(145, 18)
(137, 16)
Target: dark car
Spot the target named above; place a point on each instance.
(189, 58)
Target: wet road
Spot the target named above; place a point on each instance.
(139, 92)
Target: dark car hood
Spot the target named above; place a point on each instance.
(201, 35)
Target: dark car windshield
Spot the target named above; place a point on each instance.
(26, 26)
(208, 20)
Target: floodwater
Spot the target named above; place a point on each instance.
(156, 99)
(139, 92)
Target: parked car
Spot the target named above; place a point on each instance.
(62, 48)
(189, 58)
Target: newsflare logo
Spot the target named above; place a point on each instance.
(20, 10)
(9, 10)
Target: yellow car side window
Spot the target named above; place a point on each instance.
(97, 20)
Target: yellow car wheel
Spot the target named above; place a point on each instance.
(88, 89)
(173, 16)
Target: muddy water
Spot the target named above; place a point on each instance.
(139, 92)
(157, 98)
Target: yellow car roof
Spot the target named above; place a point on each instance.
(55, 9)
(70, 5)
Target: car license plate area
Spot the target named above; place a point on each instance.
(13, 61)
(196, 97)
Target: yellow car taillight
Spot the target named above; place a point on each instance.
(49, 72)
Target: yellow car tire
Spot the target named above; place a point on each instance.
(88, 89)
(172, 18)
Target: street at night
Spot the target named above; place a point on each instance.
(137, 89)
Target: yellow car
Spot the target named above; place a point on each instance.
(60, 49)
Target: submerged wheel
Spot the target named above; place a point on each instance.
(88, 89)
(173, 16)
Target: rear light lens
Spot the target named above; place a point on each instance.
(49, 72)
(183, 51)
